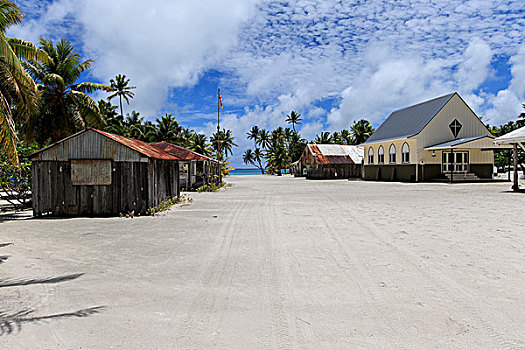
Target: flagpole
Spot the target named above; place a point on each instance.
(218, 132)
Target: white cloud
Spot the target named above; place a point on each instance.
(475, 66)
(282, 55)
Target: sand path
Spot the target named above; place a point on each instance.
(278, 263)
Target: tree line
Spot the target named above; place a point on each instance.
(277, 149)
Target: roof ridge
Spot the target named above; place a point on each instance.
(427, 101)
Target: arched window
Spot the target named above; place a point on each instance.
(370, 155)
(392, 153)
(380, 155)
(405, 153)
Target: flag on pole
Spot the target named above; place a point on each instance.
(220, 99)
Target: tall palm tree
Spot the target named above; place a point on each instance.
(323, 138)
(120, 87)
(258, 157)
(248, 157)
(361, 131)
(253, 134)
(65, 106)
(294, 119)
(18, 91)
(264, 139)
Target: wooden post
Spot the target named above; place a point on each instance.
(451, 165)
(515, 186)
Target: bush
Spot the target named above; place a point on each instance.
(212, 187)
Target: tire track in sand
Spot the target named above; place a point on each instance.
(217, 274)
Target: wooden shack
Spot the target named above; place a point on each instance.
(195, 169)
(96, 173)
(330, 161)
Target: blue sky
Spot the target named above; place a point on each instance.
(332, 61)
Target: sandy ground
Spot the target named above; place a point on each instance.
(276, 263)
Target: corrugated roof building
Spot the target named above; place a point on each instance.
(94, 173)
(330, 161)
(195, 169)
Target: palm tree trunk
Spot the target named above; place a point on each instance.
(121, 113)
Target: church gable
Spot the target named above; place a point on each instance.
(454, 121)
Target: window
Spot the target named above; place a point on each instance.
(405, 153)
(392, 153)
(90, 172)
(370, 155)
(380, 155)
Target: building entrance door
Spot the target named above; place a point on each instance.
(460, 164)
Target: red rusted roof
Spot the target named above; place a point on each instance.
(320, 158)
(142, 147)
(180, 152)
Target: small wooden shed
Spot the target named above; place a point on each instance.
(96, 173)
(195, 169)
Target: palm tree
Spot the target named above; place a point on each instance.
(168, 129)
(323, 138)
(248, 157)
(278, 158)
(346, 137)
(278, 136)
(65, 106)
(264, 139)
(120, 87)
(253, 134)
(259, 156)
(361, 131)
(18, 92)
(224, 140)
(337, 139)
(294, 119)
(199, 144)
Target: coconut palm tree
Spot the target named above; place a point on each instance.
(18, 91)
(264, 139)
(278, 158)
(294, 119)
(120, 87)
(323, 138)
(258, 157)
(199, 144)
(346, 137)
(253, 134)
(248, 157)
(361, 131)
(224, 140)
(168, 129)
(65, 106)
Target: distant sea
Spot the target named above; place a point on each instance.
(245, 172)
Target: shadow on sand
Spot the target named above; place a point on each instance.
(11, 323)
(46, 280)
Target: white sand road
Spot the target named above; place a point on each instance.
(277, 263)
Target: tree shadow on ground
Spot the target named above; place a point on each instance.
(12, 322)
(46, 280)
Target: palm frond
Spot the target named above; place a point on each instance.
(88, 109)
(7, 132)
(89, 88)
(27, 50)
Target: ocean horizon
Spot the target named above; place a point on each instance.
(245, 171)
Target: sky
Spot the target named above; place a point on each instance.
(332, 61)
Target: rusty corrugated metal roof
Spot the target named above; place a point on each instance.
(140, 146)
(336, 154)
(181, 152)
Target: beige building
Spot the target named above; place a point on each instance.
(438, 138)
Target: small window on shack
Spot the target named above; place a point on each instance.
(90, 172)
